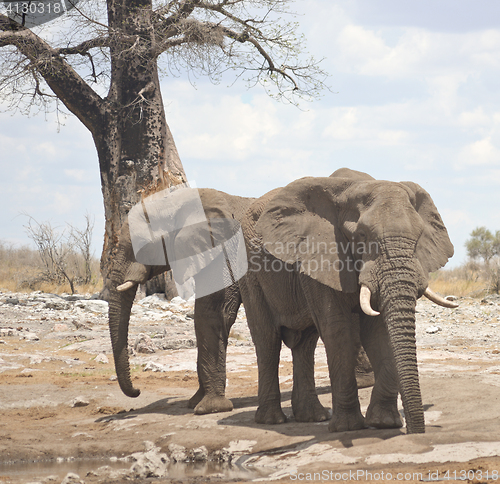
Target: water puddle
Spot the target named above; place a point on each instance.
(27, 471)
(42, 469)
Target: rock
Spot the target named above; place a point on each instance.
(57, 305)
(155, 301)
(8, 332)
(37, 359)
(432, 329)
(79, 402)
(144, 344)
(109, 473)
(101, 358)
(222, 456)
(199, 454)
(177, 453)
(51, 478)
(30, 337)
(491, 299)
(11, 300)
(451, 298)
(96, 306)
(152, 366)
(72, 478)
(82, 324)
(60, 327)
(151, 463)
(177, 300)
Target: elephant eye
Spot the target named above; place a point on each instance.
(361, 235)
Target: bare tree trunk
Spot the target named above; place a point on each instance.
(137, 153)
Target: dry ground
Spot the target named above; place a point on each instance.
(48, 359)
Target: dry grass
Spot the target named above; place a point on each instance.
(20, 269)
(461, 282)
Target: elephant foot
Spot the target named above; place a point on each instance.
(383, 416)
(311, 412)
(213, 405)
(344, 421)
(196, 398)
(270, 415)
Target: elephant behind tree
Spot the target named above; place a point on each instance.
(320, 250)
(215, 312)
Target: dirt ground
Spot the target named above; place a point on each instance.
(64, 419)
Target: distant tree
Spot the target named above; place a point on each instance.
(484, 245)
(63, 253)
(102, 65)
(82, 240)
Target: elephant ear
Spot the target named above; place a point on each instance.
(434, 247)
(300, 225)
(190, 230)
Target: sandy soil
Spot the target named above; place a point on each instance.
(64, 419)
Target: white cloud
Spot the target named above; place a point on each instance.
(363, 124)
(79, 174)
(480, 153)
(416, 52)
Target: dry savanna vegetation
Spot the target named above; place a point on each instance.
(58, 262)
(62, 262)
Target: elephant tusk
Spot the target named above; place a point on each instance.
(125, 286)
(364, 301)
(429, 294)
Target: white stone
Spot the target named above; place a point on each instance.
(152, 366)
(79, 402)
(144, 344)
(72, 478)
(101, 358)
(30, 337)
(96, 306)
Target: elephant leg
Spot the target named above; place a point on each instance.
(332, 316)
(305, 403)
(214, 316)
(267, 340)
(383, 411)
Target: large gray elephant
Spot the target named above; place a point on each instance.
(214, 313)
(323, 252)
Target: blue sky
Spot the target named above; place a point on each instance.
(415, 96)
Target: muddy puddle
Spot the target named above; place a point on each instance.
(41, 470)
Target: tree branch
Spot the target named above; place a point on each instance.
(85, 46)
(64, 81)
(246, 37)
(169, 25)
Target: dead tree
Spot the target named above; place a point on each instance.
(102, 65)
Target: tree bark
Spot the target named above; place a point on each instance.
(137, 153)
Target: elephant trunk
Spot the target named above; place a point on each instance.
(120, 306)
(400, 285)
(399, 314)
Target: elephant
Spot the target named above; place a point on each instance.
(325, 253)
(214, 314)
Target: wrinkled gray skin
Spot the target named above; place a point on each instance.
(214, 314)
(394, 234)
